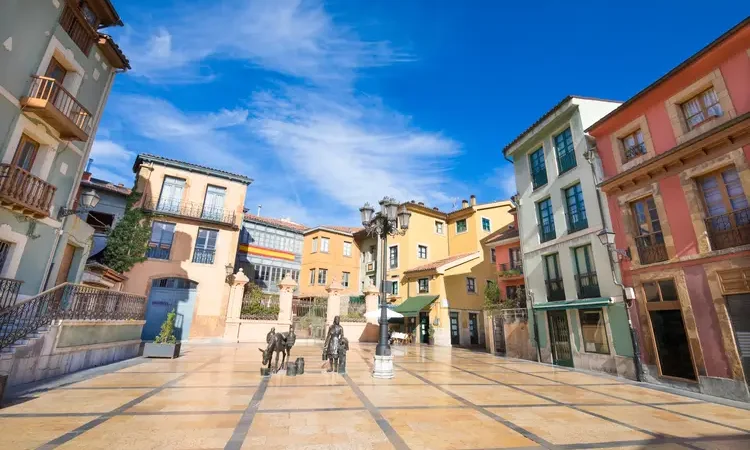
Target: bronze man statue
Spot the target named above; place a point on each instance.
(289, 339)
(332, 345)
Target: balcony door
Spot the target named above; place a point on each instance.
(727, 208)
(213, 205)
(171, 195)
(25, 153)
(650, 239)
(56, 71)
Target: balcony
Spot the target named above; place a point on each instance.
(651, 248)
(204, 255)
(547, 233)
(566, 162)
(577, 222)
(80, 32)
(635, 151)
(555, 290)
(191, 210)
(729, 230)
(588, 285)
(513, 270)
(539, 179)
(49, 100)
(21, 191)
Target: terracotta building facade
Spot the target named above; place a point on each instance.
(676, 161)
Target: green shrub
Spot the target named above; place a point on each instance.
(166, 334)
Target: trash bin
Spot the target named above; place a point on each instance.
(300, 363)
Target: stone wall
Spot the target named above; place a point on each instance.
(517, 341)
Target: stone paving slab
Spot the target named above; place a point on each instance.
(214, 397)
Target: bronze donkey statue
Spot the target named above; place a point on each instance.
(276, 344)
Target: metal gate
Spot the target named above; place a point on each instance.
(498, 331)
(560, 338)
(309, 318)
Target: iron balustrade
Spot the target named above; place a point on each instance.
(511, 269)
(190, 210)
(264, 308)
(355, 313)
(547, 233)
(9, 289)
(20, 187)
(158, 252)
(51, 90)
(729, 230)
(539, 178)
(67, 301)
(566, 161)
(651, 247)
(555, 290)
(80, 32)
(635, 151)
(577, 222)
(588, 285)
(203, 256)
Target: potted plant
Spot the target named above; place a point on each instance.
(431, 334)
(165, 345)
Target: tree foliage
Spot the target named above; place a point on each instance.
(252, 304)
(494, 300)
(127, 242)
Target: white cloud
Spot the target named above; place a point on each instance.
(112, 162)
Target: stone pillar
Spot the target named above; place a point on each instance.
(371, 302)
(286, 291)
(236, 292)
(442, 336)
(334, 301)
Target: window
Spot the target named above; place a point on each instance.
(554, 282)
(345, 279)
(546, 220)
(324, 242)
(538, 168)
(160, 243)
(322, 276)
(205, 246)
(347, 248)
(649, 239)
(171, 195)
(471, 285)
(566, 155)
(89, 15)
(633, 145)
(461, 226)
(394, 287)
(58, 72)
(586, 279)
(25, 153)
(213, 203)
(493, 256)
(726, 206)
(314, 245)
(486, 224)
(576, 209)
(438, 227)
(424, 285)
(701, 108)
(514, 257)
(422, 251)
(393, 257)
(100, 222)
(4, 254)
(661, 291)
(312, 277)
(594, 331)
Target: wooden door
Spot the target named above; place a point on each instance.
(560, 338)
(65, 263)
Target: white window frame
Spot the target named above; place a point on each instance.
(345, 278)
(314, 246)
(325, 245)
(442, 227)
(347, 245)
(312, 277)
(482, 219)
(398, 257)
(426, 251)
(419, 291)
(325, 280)
(18, 243)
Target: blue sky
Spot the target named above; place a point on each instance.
(328, 104)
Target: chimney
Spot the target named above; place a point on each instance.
(86, 176)
(421, 203)
(464, 204)
(435, 208)
(259, 208)
(473, 200)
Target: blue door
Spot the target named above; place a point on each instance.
(170, 294)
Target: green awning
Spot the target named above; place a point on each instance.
(412, 305)
(574, 304)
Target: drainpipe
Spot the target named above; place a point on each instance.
(530, 295)
(590, 155)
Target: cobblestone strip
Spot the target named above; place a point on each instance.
(246, 421)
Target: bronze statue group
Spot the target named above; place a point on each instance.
(334, 350)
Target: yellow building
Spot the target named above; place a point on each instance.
(196, 216)
(329, 253)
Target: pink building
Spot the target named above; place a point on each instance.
(505, 253)
(676, 160)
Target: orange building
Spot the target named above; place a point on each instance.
(329, 253)
(505, 248)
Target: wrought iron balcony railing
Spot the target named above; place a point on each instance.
(24, 192)
(729, 230)
(566, 162)
(547, 233)
(588, 285)
(67, 301)
(539, 178)
(635, 151)
(9, 289)
(80, 32)
(577, 222)
(555, 290)
(58, 107)
(203, 255)
(508, 270)
(191, 210)
(651, 248)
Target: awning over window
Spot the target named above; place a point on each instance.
(412, 305)
(574, 304)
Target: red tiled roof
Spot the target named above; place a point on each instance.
(276, 222)
(440, 262)
(106, 185)
(342, 229)
(502, 234)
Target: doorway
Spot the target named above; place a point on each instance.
(167, 295)
(424, 327)
(739, 314)
(65, 263)
(473, 329)
(560, 338)
(455, 339)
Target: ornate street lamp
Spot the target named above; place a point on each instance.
(389, 221)
(87, 201)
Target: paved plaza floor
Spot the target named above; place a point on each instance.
(214, 397)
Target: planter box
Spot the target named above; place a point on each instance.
(153, 350)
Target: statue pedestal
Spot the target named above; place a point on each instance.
(383, 367)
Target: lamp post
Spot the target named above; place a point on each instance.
(389, 221)
(607, 238)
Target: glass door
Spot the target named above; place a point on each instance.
(213, 205)
(171, 195)
(455, 339)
